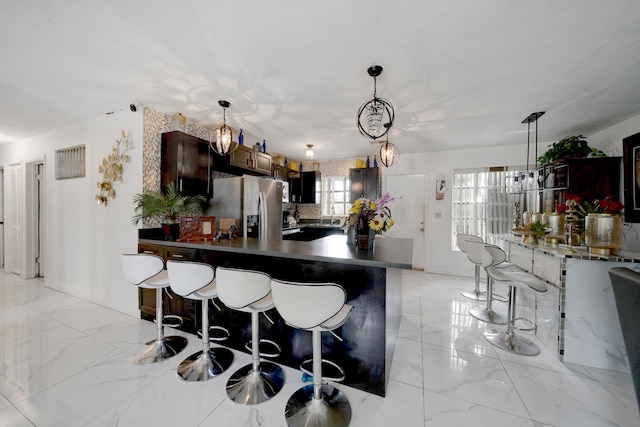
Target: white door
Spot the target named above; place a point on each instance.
(408, 211)
(15, 212)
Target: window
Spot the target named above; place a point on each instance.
(335, 200)
(483, 202)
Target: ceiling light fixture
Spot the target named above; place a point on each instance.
(532, 118)
(223, 144)
(309, 151)
(375, 117)
(389, 153)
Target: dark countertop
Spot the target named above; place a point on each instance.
(388, 252)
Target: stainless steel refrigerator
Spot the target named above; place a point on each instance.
(255, 203)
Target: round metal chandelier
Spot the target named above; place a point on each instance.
(223, 144)
(375, 117)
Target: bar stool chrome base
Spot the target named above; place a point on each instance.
(303, 410)
(475, 295)
(489, 316)
(512, 343)
(203, 366)
(249, 387)
(160, 350)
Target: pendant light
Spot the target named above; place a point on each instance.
(375, 117)
(389, 153)
(309, 151)
(223, 144)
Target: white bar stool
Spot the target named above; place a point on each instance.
(147, 271)
(316, 308)
(195, 280)
(250, 291)
(463, 241)
(508, 340)
(475, 250)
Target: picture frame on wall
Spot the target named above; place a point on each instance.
(631, 152)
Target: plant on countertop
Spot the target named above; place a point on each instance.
(538, 228)
(570, 146)
(374, 213)
(167, 206)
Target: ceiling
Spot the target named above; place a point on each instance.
(459, 73)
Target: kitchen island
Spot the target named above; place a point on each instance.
(372, 280)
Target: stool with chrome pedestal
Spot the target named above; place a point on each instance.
(320, 405)
(486, 314)
(147, 271)
(195, 280)
(250, 291)
(508, 340)
(463, 241)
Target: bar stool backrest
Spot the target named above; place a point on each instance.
(463, 241)
(492, 255)
(307, 305)
(186, 277)
(139, 267)
(474, 251)
(238, 288)
(626, 290)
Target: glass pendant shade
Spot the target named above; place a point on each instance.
(309, 151)
(389, 154)
(223, 144)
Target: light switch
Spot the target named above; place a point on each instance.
(438, 214)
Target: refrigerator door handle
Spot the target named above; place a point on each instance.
(262, 209)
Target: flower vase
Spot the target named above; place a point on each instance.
(365, 237)
(604, 233)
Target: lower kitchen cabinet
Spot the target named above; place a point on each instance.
(181, 311)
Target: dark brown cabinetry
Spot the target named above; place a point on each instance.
(364, 182)
(591, 179)
(174, 305)
(305, 187)
(186, 161)
(252, 160)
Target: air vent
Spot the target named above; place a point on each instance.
(70, 162)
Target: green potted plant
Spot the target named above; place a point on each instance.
(575, 146)
(167, 206)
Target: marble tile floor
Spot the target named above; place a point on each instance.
(65, 362)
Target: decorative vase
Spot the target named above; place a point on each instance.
(604, 233)
(351, 235)
(365, 237)
(556, 223)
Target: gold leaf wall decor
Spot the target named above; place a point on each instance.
(111, 169)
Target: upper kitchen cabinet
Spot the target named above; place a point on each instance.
(305, 187)
(364, 182)
(253, 161)
(187, 161)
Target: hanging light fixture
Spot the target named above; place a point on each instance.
(309, 151)
(389, 153)
(223, 144)
(375, 117)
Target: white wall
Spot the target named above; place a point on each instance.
(83, 240)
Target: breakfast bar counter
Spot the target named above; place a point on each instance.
(372, 280)
(577, 317)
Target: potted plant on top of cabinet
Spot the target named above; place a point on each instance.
(167, 206)
(575, 147)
